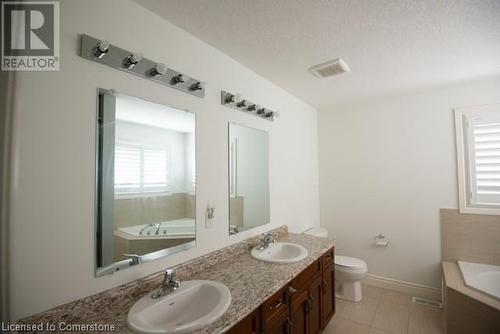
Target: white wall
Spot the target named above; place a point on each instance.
(52, 208)
(387, 166)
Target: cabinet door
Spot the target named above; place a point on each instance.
(275, 305)
(278, 324)
(328, 293)
(315, 314)
(299, 309)
(249, 325)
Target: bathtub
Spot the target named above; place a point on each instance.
(482, 277)
(171, 229)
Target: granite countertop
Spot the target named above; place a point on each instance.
(250, 281)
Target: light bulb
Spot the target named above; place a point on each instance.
(101, 49)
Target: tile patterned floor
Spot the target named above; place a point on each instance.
(384, 312)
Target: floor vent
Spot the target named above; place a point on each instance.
(427, 302)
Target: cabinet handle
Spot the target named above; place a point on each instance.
(288, 326)
(323, 286)
(291, 290)
(276, 304)
(308, 305)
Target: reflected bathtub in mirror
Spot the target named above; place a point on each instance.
(145, 181)
(248, 178)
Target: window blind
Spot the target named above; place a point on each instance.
(127, 169)
(485, 159)
(140, 169)
(155, 170)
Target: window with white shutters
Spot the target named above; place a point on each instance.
(478, 148)
(485, 161)
(140, 169)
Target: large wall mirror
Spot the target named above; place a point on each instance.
(248, 178)
(146, 181)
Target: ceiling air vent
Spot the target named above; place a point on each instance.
(330, 68)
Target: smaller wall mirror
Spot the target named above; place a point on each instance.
(248, 178)
(145, 181)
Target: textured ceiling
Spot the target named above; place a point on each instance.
(391, 46)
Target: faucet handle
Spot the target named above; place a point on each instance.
(134, 258)
(170, 275)
(268, 237)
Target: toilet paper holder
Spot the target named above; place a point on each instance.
(380, 240)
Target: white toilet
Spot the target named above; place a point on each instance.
(349, 271)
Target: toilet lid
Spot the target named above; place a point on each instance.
(317, 232)
(349, 262)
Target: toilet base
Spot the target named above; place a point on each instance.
(350, 291)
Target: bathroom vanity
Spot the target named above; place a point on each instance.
(305, 305)
(265, 297)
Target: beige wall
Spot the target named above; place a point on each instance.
(471, 238)
(236, 207)
(152, 209)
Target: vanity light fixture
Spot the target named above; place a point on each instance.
(229, 98)
(252, 107)
(132, 60)
(159, 69)
(101, 49)
(102, 52)
(196, 86)
(233, 101)
(179, 78)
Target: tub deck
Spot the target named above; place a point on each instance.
(467, 310)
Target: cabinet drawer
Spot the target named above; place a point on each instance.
(279, 324)
(329, 257)
(275, 304)
(249, 325)
(305, 276)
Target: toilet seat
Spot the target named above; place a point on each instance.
(348, 263)
(320, 232)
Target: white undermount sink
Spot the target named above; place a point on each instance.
(280, 252)
(194, 305)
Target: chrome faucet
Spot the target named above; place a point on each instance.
(268, 239)
(134, 259)
(146, 227)
(158, 226)
(169, 284)
(233, 229)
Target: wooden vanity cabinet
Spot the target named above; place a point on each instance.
(249, 325)
(275, 313)
(279, 324)
(328, 291)
(306, 299)
(304, 306)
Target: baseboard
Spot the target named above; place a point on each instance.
(413, 289)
